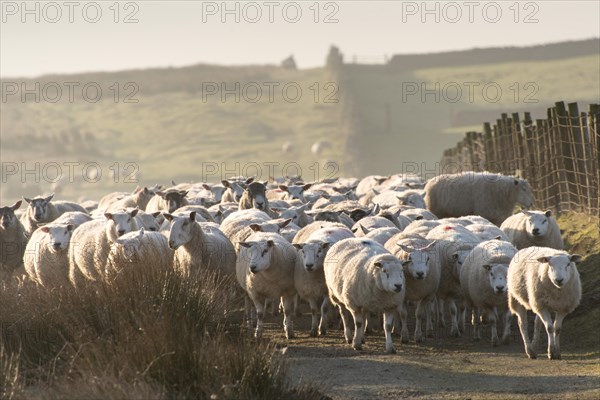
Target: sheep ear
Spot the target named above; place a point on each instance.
(544, 259)
(407, 184)
(108, 215)
(146, 190)
(155, 214)
(575, 258)
(376, 191)
(378, 264)
(193, 216)
(548, 213)
(487, 267)
(205, 186)
(298, 246)
(498, 237)
(245, 244)
(454, 256)
(325, 245)
(405, 263)
(516, 182)
(27, 199)
(364, 230)
(270, 243)
(70, 227)
(418, 217)
(47, 199)
(525, 212)
(284, 223)
(134, 212)
(183, 193)
(325, 195)
(254, 227)
(160, 193)
(283, 187)
(302, 208)
(16, 205)
(307, 186)
(141, 232)
(405, 248)
(173, 182)
(168, 217)
(249, 180)
(45, 229)
(429, 247)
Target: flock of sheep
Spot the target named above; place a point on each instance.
(371, 247)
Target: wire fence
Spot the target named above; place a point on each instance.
(559, 155)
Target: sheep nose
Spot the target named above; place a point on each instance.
(499, 289)
(121, 232)
(398, 287)
(56, 245)
(420, 275)
(253, 269)
(171, 244)
(309, 267)
(559, 281)
(259, 205)
(536, 231)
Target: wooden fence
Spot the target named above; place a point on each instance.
(559, 155)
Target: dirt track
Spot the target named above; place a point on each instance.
(441, 368)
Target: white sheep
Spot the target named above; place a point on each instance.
(545, 281)
(319, 146)
(422, 272)
(139, 198)
(42, 210)
(309, 278)
(297, 214)
(421, 226)
(13, 240)
(233, 192)
(367, 224)
(146, 251)
(489, 195)
(241, 224)
(361, 277)
(294, 192)
(487, 232)
(455, 243)
(368, 183)
(265, 270)
(46, 258)
(90, 245)
(381, 235)
(533, 228)
(199, 246)
(483, 281)
(255, 196)
(412, 198)
(415, 214)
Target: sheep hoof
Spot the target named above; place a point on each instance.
(419, 339)
(322, 332)
(554, 356)
(313, 333)
(430, 334)
(391, 351)
(505, 340)
(357, 347)
(532, 355)
(290, 336)
(404, 339)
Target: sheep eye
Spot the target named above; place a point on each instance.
(544, 221)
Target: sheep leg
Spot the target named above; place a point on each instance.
(454, 332)
(537, 328)
(462, 317)
(315, 316)
(324, 317)
(249, 311)
(476, 322)
(429, 319)
(359, 327)
(297, 311)
(491, 315)
(441, 316)
(506, 331)
(288, 314)
(522, 318)
(546, 318)
(558, 320)
(388, 320)
(345, 316)
(260, 316)
(404, 318)
(418, 316)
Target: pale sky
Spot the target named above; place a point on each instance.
(179, 33)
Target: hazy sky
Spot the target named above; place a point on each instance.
(171, 33)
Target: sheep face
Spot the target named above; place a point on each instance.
(412, 199)
(270, 226)
(524, 193)
(497, 277)
(389, 275)
(181, 229)
(39, 205)
(257, 192)
(122, 222)
(558, 267)
(149, 221)
(293, 213)
(457, 259)
(236, 188)
(174, 199)
(259, 254)
(313, 254)
(295, 192)
(416, 264)
(537, 224)
(217, 191)
(60, 236)
(131, 245)
(7, 215)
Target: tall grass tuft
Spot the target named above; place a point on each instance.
(146, 334)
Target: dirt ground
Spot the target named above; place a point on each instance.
(442, 367)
